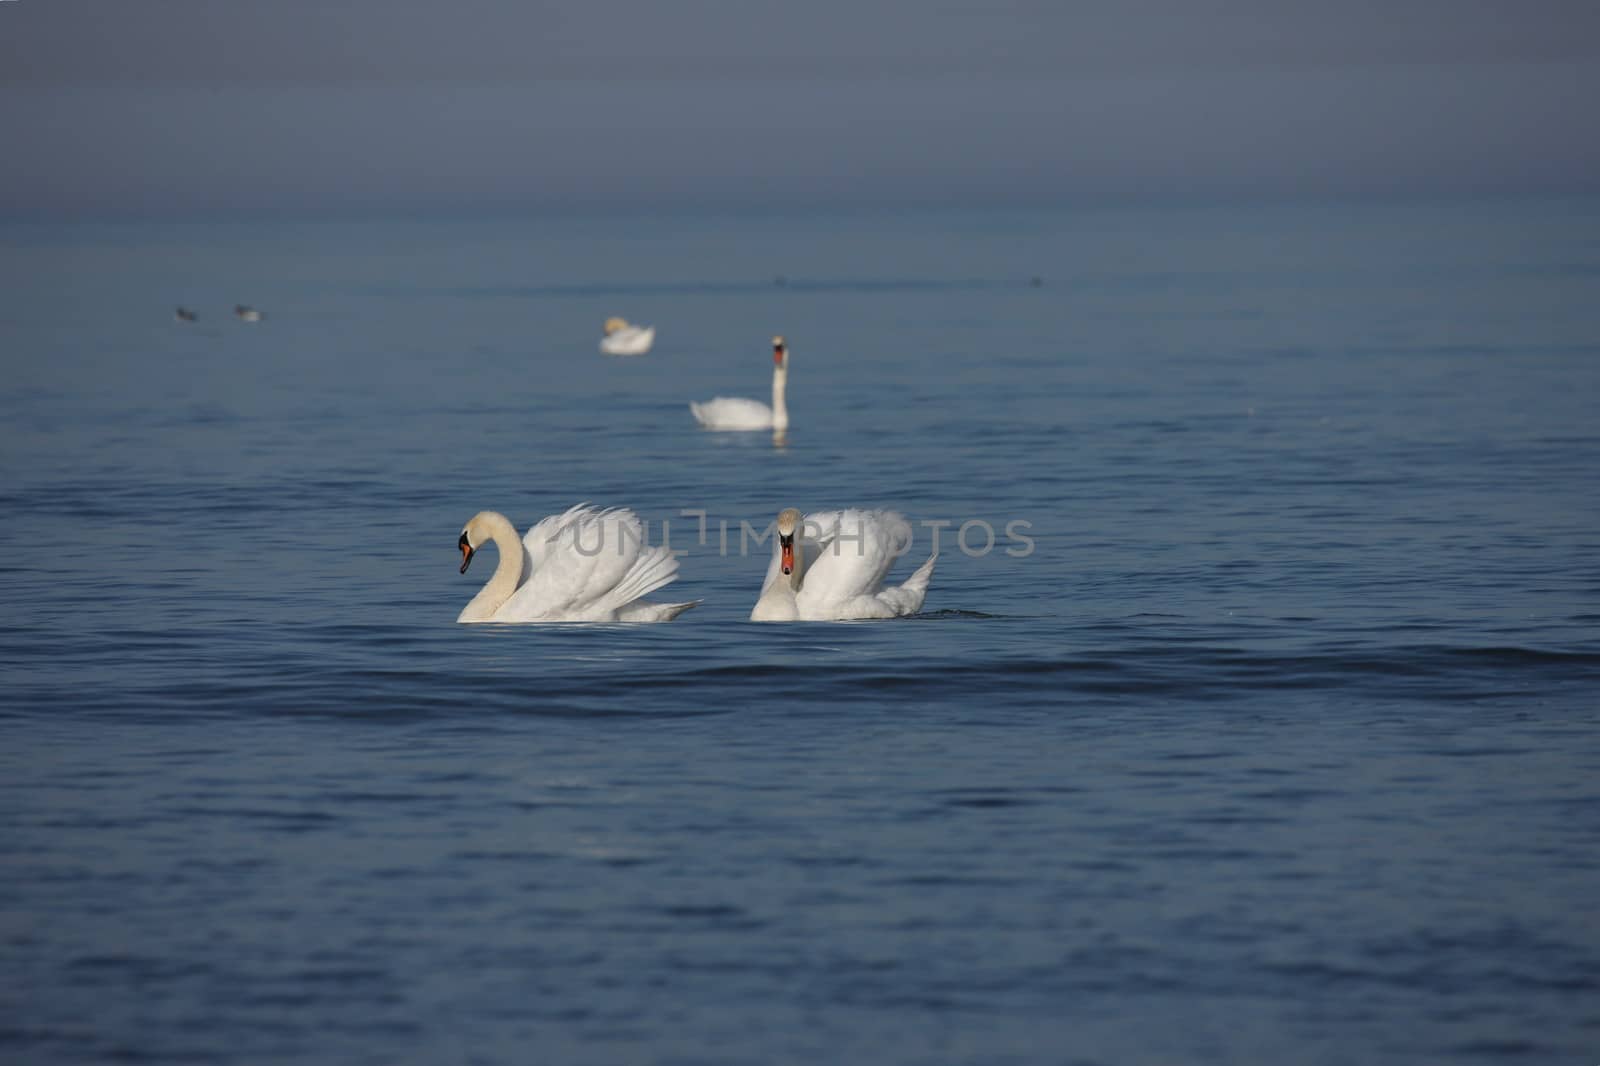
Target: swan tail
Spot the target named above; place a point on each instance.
(655, 568)
(918, 581)
(908, 597)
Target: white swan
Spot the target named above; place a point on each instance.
(730, 413)
(829, 567)
(623, 339)
(586, 565)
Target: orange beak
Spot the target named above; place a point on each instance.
(466, 552)
(777, 356)
(787, 562)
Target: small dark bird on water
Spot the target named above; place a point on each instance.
(183, 314)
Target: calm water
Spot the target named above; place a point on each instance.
(1283, 745)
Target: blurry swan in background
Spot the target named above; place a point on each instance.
(623, 339)
(587, 565)
(829, 567)
(728, 413)
(246, 314)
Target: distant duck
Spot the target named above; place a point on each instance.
(623, 339)
(734, 413)
(183, 314)
(246, 314)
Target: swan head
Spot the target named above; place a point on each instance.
(613, 324)
(780, 353)
(473, 536)
(788, 526)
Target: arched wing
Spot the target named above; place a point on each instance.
(586, 564)
(855, 549)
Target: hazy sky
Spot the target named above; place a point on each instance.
(175, 106)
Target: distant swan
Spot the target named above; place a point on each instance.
(587, 565)
(623, 339)
(246, 314)
(829, 567)
(729, 413)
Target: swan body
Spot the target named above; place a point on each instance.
(732, 413)
(829, 567)
(585, 565)
(246, 314)
(726, 413)
(623, 339)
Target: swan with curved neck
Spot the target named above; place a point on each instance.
(830, 567)
(726, 413)
(586, 565)
(484, 527)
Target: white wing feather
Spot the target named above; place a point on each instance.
(857, 549)
(585, 565)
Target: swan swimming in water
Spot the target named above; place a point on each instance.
(829, 567)
(246, 314)
(731, 413)
(587, 565)
(623, 339)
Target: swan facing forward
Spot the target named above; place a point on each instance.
(730, 413)
(623, 339)
(829, 567)
(587, 565)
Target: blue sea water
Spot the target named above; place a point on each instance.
(1281, 745)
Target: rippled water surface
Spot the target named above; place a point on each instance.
(1282, 744)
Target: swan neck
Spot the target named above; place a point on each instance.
(507, 572)
(780, 410)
